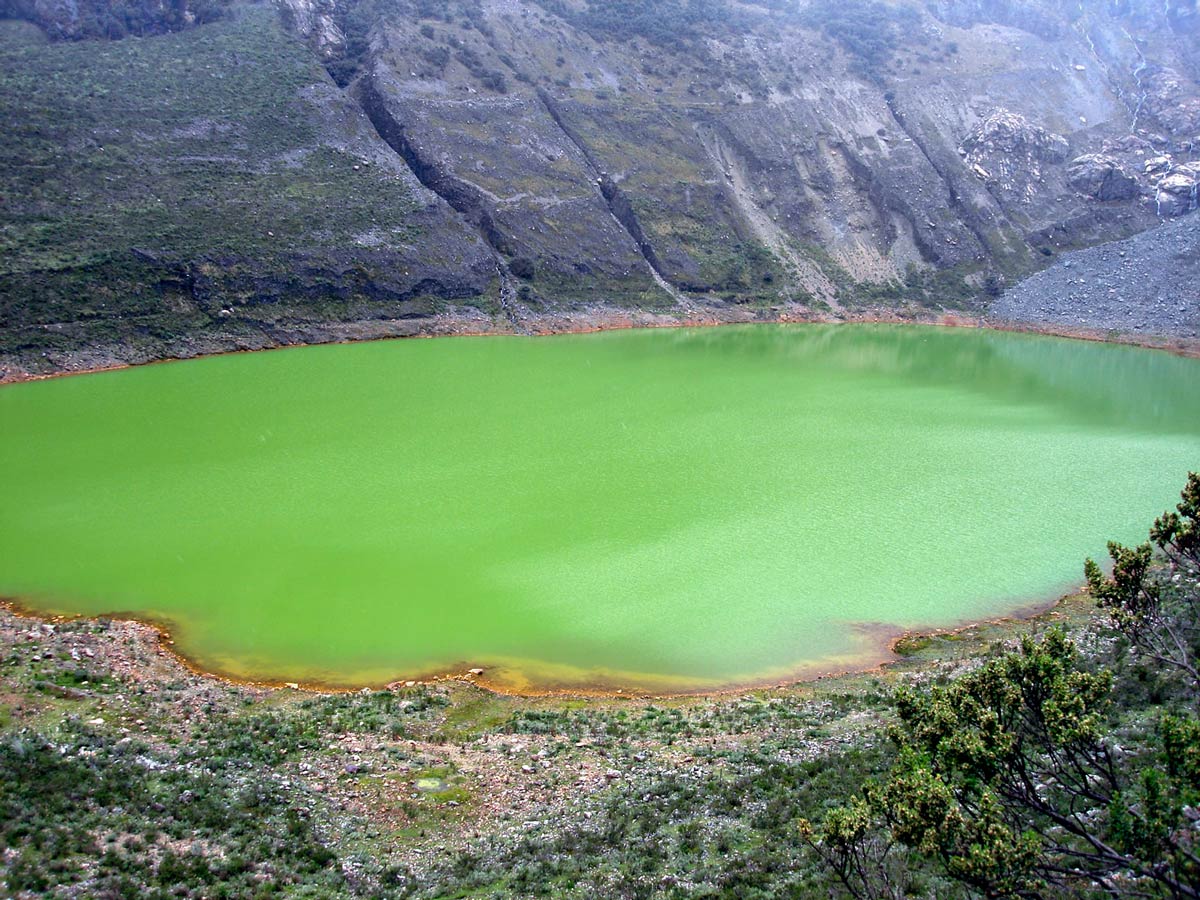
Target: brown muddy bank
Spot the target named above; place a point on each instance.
(471, 323)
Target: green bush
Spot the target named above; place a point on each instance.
(868, 30)
(114, 19)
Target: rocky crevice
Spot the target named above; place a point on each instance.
(966, 214)
(619, 204)
(467, 200)
(509, 297)
(463, 198)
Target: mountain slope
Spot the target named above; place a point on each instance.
(215, 178)
(339, 168)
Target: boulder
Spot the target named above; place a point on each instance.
(1101, 177)
(1177, 193)
(1013, 156)
(1157, 165)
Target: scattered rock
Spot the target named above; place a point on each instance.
(1146, 284)
(58, 690)
(1157, 165)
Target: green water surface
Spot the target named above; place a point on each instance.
(667, 508)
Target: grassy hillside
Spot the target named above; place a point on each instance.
(149, 184)
(233, 185)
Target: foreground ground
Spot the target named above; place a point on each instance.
(124, 774)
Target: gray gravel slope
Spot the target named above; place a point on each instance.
(1146, 285)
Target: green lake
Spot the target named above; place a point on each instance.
(655, 509)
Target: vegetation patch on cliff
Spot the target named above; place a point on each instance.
(160, 185)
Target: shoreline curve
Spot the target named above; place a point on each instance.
(882, 638)
(621, 321)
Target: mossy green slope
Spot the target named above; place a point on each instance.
(211, 179)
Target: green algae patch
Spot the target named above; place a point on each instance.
(642, 510)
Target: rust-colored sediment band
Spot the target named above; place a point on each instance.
(1179, 346)
(882, 641)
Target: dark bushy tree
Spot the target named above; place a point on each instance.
(1153, 594)
(1012, 779)
(114, 19)
(868, 30)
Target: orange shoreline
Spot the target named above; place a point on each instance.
(615, 320)
(884, 640)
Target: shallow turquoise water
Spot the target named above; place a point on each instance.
(682, 508)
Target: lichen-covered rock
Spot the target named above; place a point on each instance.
(314, 20)
(1012, 134)
(1101, 178)
(1177, 193)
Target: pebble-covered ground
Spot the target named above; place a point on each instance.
(1148, 285)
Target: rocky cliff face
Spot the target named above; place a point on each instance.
(560, 155)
